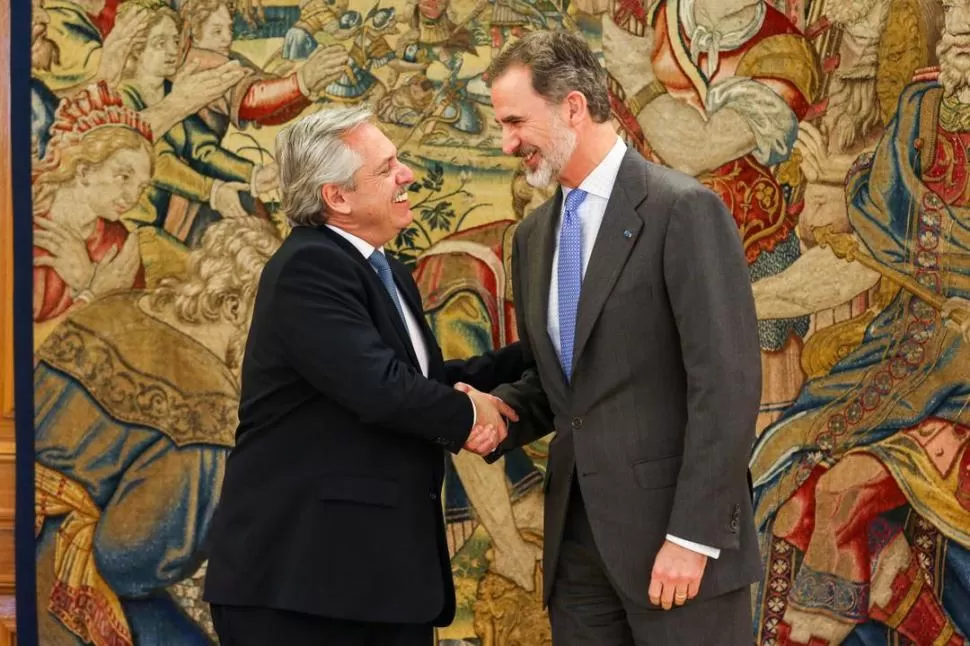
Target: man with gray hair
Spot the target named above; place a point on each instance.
(638, 322)
(330, 528)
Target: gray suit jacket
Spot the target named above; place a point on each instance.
(659, 418)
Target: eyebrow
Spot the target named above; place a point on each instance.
(386, 163)
(512, 118)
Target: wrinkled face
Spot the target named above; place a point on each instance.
(954, 46)
(531, 128)
(379, 201)
(113, 187)
(160, 58)
(216, 31)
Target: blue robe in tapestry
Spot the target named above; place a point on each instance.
(142, 417)
(910, 366)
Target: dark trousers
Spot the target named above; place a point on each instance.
(588, 609)
(251, 626)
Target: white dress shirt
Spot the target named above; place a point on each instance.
(598, 186)
(414, 329)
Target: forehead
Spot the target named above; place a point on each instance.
(220, 16)
(513, 94)
(165, 26)
(371, 144)
(130, 156)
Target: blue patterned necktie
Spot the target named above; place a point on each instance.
(379, 262)
(570, 276)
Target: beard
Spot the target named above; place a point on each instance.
(954, 54)
(553, 160)
(849, 12)
(44, 53)
(853, 111)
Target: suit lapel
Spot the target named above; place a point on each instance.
(542, 245)
(396, 320)
(412, 300)
(616, 238)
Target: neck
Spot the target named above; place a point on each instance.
(370, 237)
(592, 147)
(218, 50)
(70, 209)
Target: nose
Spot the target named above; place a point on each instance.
(406, 176)
(510, 143)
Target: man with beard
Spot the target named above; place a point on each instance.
(862, 489)
(635, 313)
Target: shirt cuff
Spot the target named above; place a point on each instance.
(710, 552)
(474, 414)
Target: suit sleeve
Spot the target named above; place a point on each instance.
(708, 285)
(489, 370)
(526, 395)
(331, 340)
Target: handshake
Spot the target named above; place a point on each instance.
(490, 425)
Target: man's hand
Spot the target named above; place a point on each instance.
(69, 253)
(266, 178)
(676, 576)
(225, 199)
(627, 56)
(490, 428)
(324, 66)
(192, 89)
(956, 311)
(117, 44)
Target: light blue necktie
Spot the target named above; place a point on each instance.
(570, 276)
(379, 262)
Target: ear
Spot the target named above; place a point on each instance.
(82, 172)
(576, 107)
(335, 198)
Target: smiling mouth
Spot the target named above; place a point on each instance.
(401, 197)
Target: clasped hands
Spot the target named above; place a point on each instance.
(490, 424)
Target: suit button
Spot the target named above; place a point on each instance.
(434, 496)
(577, 423)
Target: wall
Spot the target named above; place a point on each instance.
(7, 573)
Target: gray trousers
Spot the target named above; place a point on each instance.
(587, 609)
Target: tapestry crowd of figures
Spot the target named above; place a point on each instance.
(837, 132)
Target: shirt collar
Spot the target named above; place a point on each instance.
(364, 247)
(601, 179)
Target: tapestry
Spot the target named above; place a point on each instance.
(836, 131)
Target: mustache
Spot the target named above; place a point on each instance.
(950, 41)
(525, 151)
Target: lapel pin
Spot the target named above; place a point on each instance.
(627, 233)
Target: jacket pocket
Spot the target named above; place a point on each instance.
(359, 489)
(657, 474)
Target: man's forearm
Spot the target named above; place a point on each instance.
(489, 370)
(685, 140)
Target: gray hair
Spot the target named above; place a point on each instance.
(311, 153)
(561, 62)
